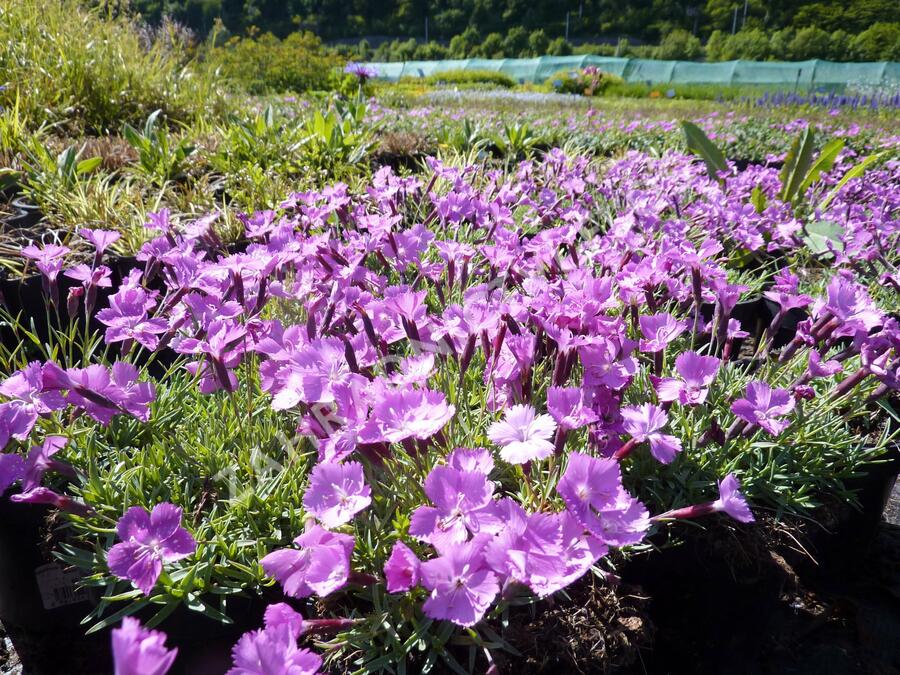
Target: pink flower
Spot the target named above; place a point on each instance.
(407, 413)
(38, 462)
(148, 541)
(731, 501)
(763, 406)
(697, 373)
(26, 389)
(463, 504)
(320, 566)
(478, 460)
(592, 491)
(101, 239)
(273, 650)
(461, 584)
(126, 318)
(820, 368)
(643, 423)
(336, 493)
(15, 422)
(569, 408)
(659, 330)
(401, 571)
(138, 651)
(522, 437)
(311, 375)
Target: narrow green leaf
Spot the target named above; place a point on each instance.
(802, 151)
(88, 165)
(699, 143)
(823, 164)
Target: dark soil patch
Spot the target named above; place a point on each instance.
(598, 628)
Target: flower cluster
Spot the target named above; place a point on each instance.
(476, 376)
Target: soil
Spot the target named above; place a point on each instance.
(790, 597)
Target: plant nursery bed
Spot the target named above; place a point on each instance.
(779, 597)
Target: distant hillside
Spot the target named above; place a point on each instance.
(641, 20)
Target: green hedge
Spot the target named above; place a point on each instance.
(471, 77)
(268, 65)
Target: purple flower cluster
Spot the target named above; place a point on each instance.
(476, 308)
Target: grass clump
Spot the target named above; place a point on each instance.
(471, 78)
(95, 70)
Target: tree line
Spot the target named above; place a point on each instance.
(712, 29)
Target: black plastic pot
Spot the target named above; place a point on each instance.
(25, 214)
(789, 322)
(36, 593)
(752, 316)
(873, 490)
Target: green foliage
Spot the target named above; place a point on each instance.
(559, 47)
(750, 44)
(679, 44)
(811, 43)
(588, 81)
(879, 42)
(161, 157)
(471, 77)
(337, 137)
(699, 143)
(61, 61)
(264, 65)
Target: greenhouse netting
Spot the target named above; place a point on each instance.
(798, 74)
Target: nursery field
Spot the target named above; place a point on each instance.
(413, 378)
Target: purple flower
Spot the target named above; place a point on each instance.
(659, 330)
(126, 318)
(96, 277)
(336, 493)
(102, 393)
(148, 541)
(592, 491)
(223, 345)
(46, 254)
(139, 651)
(697, 373)
(522, 436)
(543, 551)
(38, 462)
(569, 407)
(763, 406)
(850, 305)
(273, 650)
(360, 70)
(320, 566)
(15, 422)
(312, 374)
(463, 504)
(101, 239)
(478, 460)
(12, 468)
(731, 501)
(43, 495)
(644, 423)
(407, 413)
(820, 368)
(401, 571)
(26, 389)
(462, 586)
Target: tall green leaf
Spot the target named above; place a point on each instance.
(796, 164)
(823, 164)
(699, 143)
